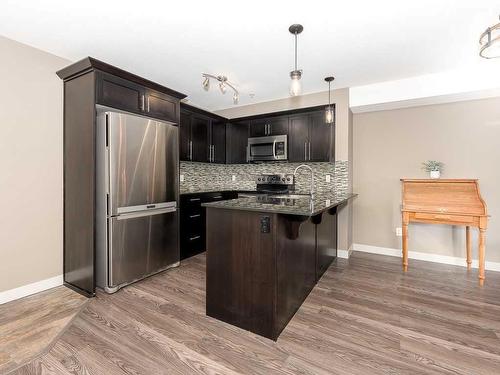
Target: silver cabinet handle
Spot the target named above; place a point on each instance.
(193, 216)
(142, 102)
(309, 151)
(194, 238)
(148, 103)
(195, 199)
(190, 150)
(248, 154)
(305, 150)
(214, 154)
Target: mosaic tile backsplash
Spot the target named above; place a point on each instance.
(213, 177)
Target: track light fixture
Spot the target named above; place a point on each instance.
(223, 85)
(490, 42)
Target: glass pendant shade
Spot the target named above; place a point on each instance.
(490, 42)
(295, 84)
(329, 115)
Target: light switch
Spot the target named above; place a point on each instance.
(328, 178)
(181, 177)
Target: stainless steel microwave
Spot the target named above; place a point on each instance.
(267, 148)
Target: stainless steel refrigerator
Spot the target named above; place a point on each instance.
(137, 198)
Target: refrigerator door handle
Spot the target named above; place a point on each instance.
(145, 213)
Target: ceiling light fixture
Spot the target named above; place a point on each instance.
(206, 84)
(296, 74)
(329, 110)
(490, 42)
(223, 85)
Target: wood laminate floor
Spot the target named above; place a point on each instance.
(364, 317)
(29, 326)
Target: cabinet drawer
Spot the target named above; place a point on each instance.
(443, 218)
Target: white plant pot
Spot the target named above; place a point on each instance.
(435, 174)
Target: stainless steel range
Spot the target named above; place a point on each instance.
(270, 188)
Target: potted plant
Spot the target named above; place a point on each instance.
(433, 167)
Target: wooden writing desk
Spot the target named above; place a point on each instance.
(453, 202)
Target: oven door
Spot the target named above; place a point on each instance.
(267, 148)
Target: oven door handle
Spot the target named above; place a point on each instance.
(274, 149)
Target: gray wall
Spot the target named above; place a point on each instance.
(392, 144)
(31, 164)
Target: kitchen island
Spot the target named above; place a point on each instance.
(265, 254)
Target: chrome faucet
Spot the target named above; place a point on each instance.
(312, 176)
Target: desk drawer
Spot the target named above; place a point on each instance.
(443, 218)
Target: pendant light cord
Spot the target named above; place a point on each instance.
(295, 51)
(329, 91)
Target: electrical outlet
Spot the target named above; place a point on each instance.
(181, 177)
(328, 178)
(399, 232)
(233, 178)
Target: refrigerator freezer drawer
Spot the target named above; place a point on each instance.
(140, 244)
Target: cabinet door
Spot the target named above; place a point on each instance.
(258, 128)
(326, 241)
(185, 137)
(219, 142)
(200, 138)
(278, 126)
(320, 134)
(161, 106)
(119, 93)
(237, 142)
(298, 138)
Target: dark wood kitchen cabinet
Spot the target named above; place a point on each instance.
(87, 84)
(120, 93)
(237, 142)
(200, 141)
(269, 126)
(310, 138)
(202, 136)
(193, 218)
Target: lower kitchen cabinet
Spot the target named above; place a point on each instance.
(193, 220)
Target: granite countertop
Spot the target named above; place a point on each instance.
(302, 206)
(201, 189)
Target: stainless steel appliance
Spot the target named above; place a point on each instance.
(137, 196)
(267, 148)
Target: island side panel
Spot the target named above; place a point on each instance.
(241, 270)
(296, 265)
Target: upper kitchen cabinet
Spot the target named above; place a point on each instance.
(202, 136)
(88, 83)
(269, 126)
(116, 92)
(310, 138)
(237, 142)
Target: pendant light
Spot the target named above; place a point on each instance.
(329, 115)
(295, 75)
(490, 42)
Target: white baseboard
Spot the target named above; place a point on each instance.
(429, 257)
(26, 290)
(345, 254)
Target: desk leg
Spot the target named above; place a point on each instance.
(468, 244)
(482, 238)
(405, 240)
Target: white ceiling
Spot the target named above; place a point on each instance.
(173, 42)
